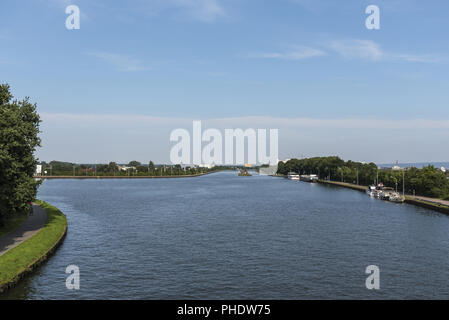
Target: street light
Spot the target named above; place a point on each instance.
(403, 182)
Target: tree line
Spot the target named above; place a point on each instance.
(133, 168)
(427, 181)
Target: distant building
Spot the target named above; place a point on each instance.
(396, 167)
(443, 169)
(270, 170)
(38, 170)
(125, 168)
(208, 166)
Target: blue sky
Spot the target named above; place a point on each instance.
(217, 59)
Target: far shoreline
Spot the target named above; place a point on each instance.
(123, 177)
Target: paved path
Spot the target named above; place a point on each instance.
(445, 202)
(25, 231)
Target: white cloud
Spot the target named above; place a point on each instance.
(200, 10)
(86, 138)
(370, 50)
(427, 58)
(254, 121)
(364, 49)
(120, 62)
(204, 10)
(299, 53)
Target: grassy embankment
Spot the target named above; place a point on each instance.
(19, 261)
(427, 204)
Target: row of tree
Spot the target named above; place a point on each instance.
(427, 181)
(19, 128)
(133, 168)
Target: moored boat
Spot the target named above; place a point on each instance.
(396, 197)
(309, 178)
(293, 176)
(386, 193)
(371, 191)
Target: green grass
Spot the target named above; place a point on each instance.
(434, 204)
(12, 223)
(24, 255)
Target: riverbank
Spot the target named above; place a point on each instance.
(428, 203)
(21, 260)
(345, 185)
(122, 177)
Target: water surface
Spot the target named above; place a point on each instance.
(222, 236)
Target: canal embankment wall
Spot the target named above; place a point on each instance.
(432, 205)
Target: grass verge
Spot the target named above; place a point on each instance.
(428, 204)
(15, 263)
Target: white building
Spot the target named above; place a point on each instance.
(38, 170)
(125, 168)
(208, 166)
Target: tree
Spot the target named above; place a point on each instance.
(141, 169)
(112, 167)
(19, 129)
(134, 163)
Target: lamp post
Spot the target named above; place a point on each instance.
(403, 182)
(45, 173)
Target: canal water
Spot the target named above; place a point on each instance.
(221, 236)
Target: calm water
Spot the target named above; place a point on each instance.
(224, 236)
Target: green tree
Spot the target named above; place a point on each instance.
(151, 166)
(134, 163)
(19, 129)
(112, 167)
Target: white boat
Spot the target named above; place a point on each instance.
(396, 197)
(309, 178)
(379, 189)
(375, 191)
(371, 191)
(293, 176)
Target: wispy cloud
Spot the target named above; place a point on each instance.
(109, 136)
(203, 10)
(426, 58)
(199, 10)
(120, 62)
(370, 50)
(256, 121)
(364, 49)
(349, 49)
(299, 53)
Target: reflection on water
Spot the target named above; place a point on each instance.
(224, 236)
